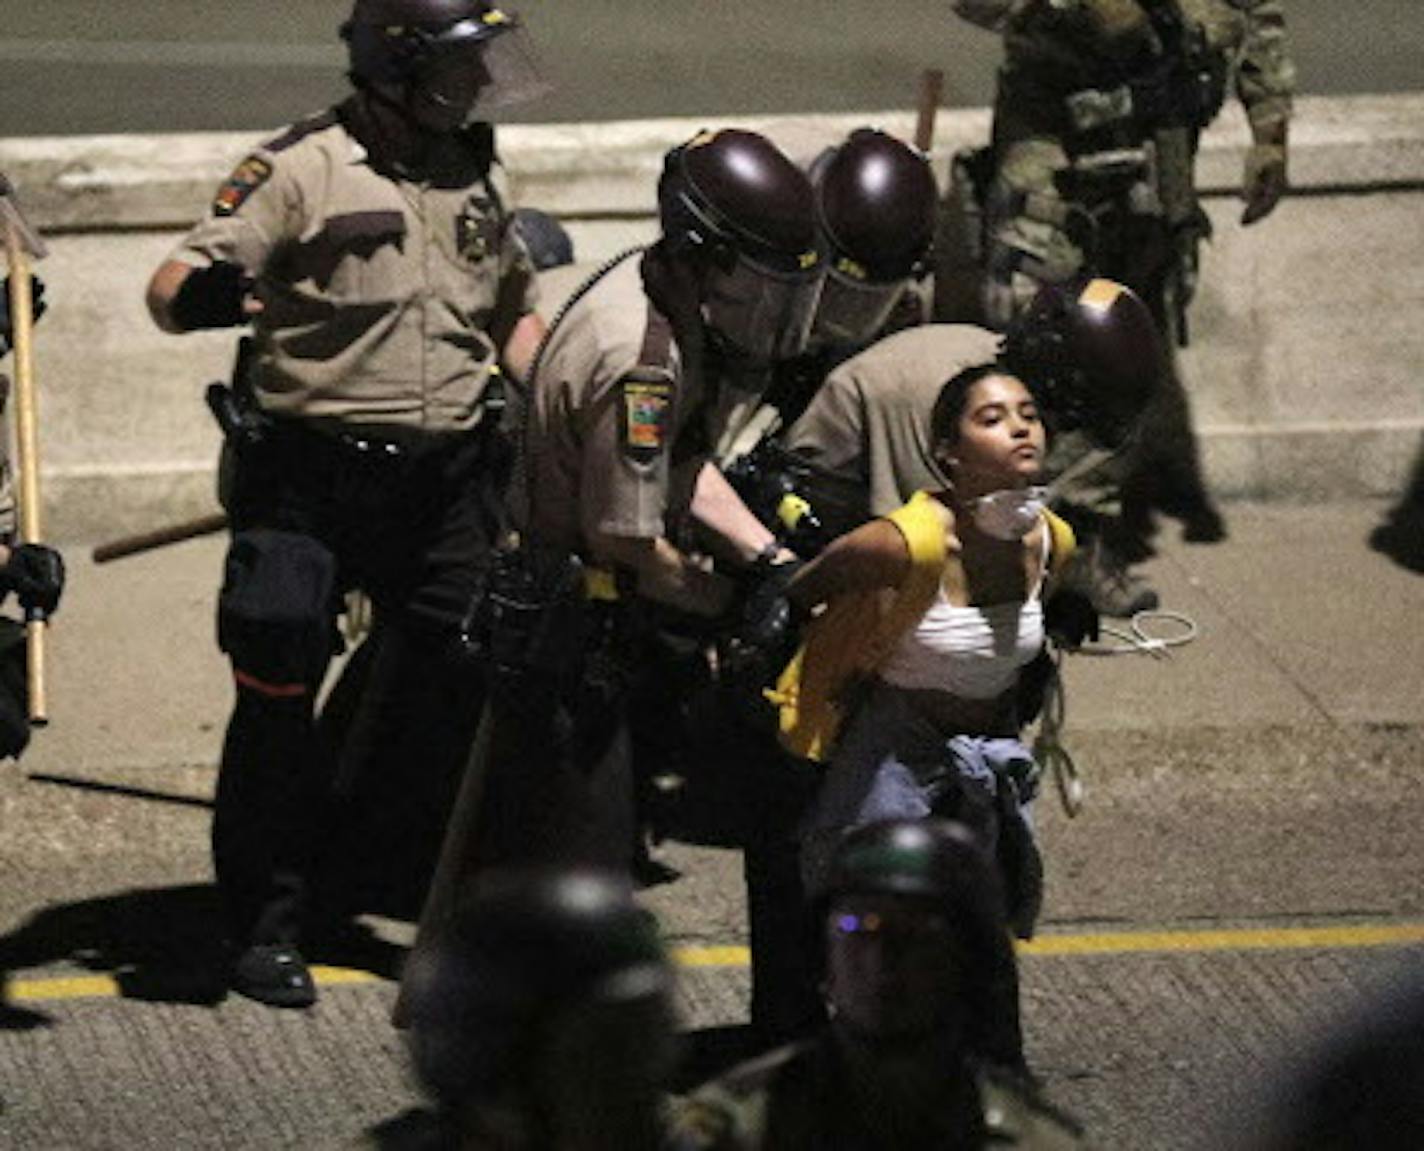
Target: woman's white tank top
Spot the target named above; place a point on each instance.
(972, 652)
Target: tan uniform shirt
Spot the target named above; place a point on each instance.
(608, 399)
(869, 424)
(380, 290)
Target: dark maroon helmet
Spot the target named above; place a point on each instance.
(1091, 350)
(875, 207)
(736, 205)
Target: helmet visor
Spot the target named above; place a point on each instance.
(853, 310)
(764, 313)
(473, 69)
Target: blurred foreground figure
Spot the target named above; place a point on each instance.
(1361, 1090)
(542, 1022)
(919, 974)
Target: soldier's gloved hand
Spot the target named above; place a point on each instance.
(35, 573)
(1070, 617)
(212, 297)
(37, 305)
(1264, 182)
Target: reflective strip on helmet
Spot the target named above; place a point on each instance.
(1100, 295)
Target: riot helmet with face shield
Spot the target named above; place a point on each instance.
(445, 63)
(1092, 352)
(875, 210)
(741, 212)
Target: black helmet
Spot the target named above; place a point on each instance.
(938, 861)
(875, 206)
(1092, 351)
(537, 969)
(735, 204)
(947, 869)
(439, 57)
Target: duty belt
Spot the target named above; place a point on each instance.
(377, 444)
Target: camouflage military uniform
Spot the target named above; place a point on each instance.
(1096, 121)
(804, 1097)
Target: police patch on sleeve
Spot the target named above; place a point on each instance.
(647, 418)
(246, 178)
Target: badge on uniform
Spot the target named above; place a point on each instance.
(476, 230)
(647, 418)
(246, 178)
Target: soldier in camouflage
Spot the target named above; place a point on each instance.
(1096, 122)
(921, 988)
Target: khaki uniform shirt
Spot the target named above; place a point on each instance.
(380, 290)
(608, 400)
(868, 426)
(1250, 34)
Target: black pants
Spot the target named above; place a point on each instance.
(312, 517)
(558, 786)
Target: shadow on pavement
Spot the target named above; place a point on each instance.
(1400, 536)
(160, 944)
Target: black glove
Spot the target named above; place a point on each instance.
(35, 574)
(1070, 617)
(37, 303)
(764, 629)
(211, 297)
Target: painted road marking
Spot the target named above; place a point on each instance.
(1113, 943)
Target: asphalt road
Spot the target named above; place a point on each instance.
(81, 67)
(1246, 870)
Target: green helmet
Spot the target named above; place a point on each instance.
(946, 867)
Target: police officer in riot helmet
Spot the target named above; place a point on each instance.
(542, 1020)
(737, 237)
(875, 202)
(921, 1049)
(875, 207)
(440, 64)
(372, 250)
(629, 391)
(1093, 351)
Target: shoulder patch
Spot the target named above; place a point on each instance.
(246, 178)
(647, 416)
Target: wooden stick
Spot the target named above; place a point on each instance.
(22, 319)
(931, 88)
(159, 537)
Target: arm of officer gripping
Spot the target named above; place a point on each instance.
(666, 575)
(718, 508)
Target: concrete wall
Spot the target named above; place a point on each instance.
(1304, 370)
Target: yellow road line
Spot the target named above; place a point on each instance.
(1110, 943)
(1230, 939)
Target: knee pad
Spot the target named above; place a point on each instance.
(277, 611)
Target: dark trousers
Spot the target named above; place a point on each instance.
(558, 782)
(312, 517)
